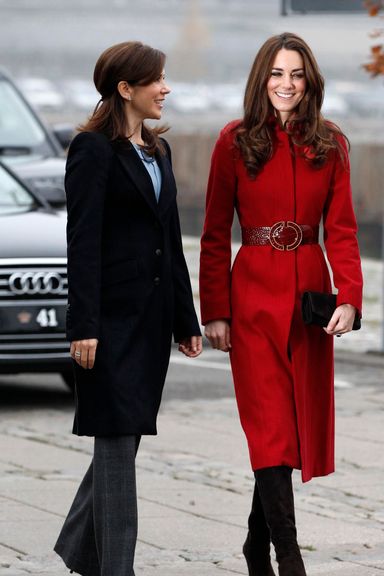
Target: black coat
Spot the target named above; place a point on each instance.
(128, 284)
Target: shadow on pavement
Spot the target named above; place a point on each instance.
(34, 390)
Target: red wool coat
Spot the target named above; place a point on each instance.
(282, 369)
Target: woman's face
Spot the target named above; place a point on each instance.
(148, 101)
(287, 83)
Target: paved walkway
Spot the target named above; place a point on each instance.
(195, 489)
(195, 485)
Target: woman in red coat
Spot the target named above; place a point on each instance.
(284, 169)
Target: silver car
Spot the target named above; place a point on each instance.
(33, 282)
(31, 149)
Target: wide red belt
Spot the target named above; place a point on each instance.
(284, 235)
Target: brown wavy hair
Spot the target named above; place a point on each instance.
(138, 65)
(307, 128)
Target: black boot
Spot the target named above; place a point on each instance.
(276, 495)
(256, 548)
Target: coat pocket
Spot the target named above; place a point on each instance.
(119, 273)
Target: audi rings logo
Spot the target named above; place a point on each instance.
(36, 283)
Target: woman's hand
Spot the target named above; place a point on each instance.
(218, 333)
(191, 346)
(342, 320)
(84, 352)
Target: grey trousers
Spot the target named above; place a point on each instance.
(98, 537)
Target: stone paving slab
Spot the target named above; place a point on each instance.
(195, 488)
(33, 455)
(33, 492)
(199, 501)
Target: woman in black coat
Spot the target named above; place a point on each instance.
(128, 293)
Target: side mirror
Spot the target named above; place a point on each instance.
(55, 196)
(64, 134)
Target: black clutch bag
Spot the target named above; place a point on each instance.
(318, 307)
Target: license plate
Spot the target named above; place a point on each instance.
(22, 319)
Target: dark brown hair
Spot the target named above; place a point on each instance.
(136, 64)
(254, 136)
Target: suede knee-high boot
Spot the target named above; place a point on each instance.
(257, 546)
(276, 495)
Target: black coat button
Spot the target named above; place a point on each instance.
(158, 252)
(156, 281)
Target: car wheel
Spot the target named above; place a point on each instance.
(69, 379)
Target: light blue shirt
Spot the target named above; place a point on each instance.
(152, 169)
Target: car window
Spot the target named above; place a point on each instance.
(13, 196)
(18, 127)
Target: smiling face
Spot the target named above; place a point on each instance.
(146, 102)
(287, 83)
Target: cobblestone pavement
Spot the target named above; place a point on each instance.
(194, 480)
(195, 488)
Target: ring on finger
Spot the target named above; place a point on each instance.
(77, 354)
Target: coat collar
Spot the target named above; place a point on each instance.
(168, 184)
(138, 174)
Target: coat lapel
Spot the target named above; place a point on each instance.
(138, 174)
(168, 184)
